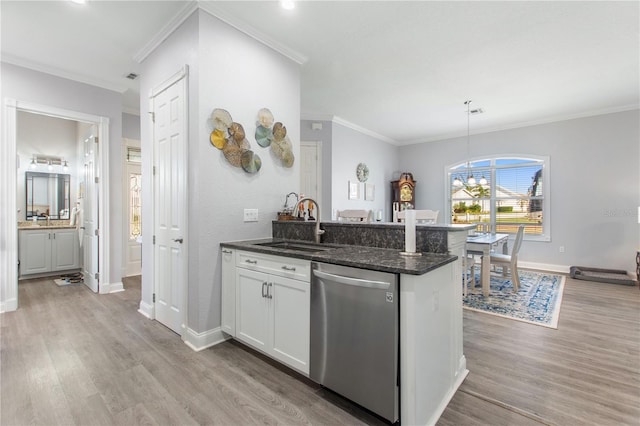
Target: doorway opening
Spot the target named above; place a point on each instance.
(9, 164)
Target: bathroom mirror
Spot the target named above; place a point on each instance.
(48, 194)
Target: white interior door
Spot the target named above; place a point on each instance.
(310, 170)
(170, 201)
(89, 215)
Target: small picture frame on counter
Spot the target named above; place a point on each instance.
(369, 191)
(354, 190)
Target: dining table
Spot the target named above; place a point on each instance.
(483, 245)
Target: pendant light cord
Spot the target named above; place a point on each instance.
(468, 104)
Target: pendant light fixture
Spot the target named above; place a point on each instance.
(471, 181)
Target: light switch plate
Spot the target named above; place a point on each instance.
(250, 215)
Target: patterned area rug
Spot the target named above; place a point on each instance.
(537, 301)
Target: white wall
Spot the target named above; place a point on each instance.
(45, 136)
(349, 148)
(131, 126)
(26, 85)
(230, 70)
(595, 184)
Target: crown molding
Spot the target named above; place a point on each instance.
(58, 72)
(242, 26)
(131, 111)
(216, 12)
(547, 120)
(364, 131)
(166, 31)
(348, 124)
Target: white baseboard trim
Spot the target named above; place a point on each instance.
(8, 305)
(199, 341)
(561, 269)
(147, 310)
(116, 287)
(110, 288)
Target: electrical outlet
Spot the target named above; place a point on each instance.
(561, 249)
(250, 215)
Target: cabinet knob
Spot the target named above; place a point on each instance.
(225, 251)
(269, 295)
(289, 268)
(264, 285)
(252, 262)
(178, 240)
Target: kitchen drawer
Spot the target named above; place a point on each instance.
(289, 267)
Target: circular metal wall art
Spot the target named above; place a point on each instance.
(250, 161)
(218, 138)
(233, 153)
(221, 119)
(263, 136)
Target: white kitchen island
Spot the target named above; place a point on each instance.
(432, 362)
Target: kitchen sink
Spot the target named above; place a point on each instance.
(296, 246)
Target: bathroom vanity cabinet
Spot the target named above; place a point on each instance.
(48, 251)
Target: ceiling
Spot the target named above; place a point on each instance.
(398, 70)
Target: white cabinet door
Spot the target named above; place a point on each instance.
(228, 315)
(252, 308)
(272, 305)
(290, 327)
(65, 251)
(35, 252)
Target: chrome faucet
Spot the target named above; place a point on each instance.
(318, 231)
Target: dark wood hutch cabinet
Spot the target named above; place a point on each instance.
(402, 194)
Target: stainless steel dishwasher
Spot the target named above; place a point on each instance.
(354, 335)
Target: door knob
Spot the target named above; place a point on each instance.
(178, 240)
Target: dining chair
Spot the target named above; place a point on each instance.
(354, 215)
(422, 216)
(510, 261)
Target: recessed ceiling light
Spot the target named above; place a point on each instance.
(287, 4)
(78, 1)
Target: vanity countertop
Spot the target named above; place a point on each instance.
(373, 258)
(36, 226)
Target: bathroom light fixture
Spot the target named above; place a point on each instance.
(50, 161)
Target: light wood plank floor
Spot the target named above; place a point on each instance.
(69, 356)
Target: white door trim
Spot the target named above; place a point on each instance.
(318, 145)
(181, 74)
(9, 218)
(126, 143)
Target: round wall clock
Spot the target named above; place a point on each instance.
(362, 172)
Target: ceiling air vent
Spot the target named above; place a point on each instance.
(132, 76)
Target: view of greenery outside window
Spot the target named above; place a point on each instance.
(508, 192)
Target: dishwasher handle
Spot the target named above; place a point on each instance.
(357, 282)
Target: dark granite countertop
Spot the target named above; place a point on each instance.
(373, 258)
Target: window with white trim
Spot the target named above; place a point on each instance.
(500, 194)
